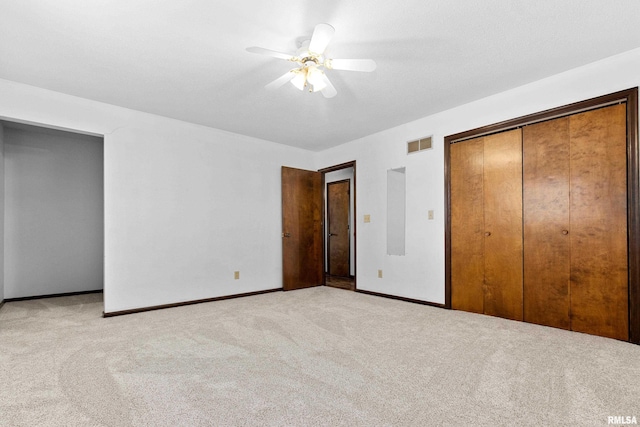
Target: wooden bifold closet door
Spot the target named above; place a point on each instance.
(486, 225)
(539, 223)
(547, 247)
(575, 223)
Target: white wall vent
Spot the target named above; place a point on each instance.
(419, 145)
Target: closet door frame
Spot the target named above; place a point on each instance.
(630, 97)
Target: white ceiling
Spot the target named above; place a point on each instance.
(187, 60)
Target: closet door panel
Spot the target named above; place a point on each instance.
(467, 226)
(503, 224)
(599, 274)
(546, 223)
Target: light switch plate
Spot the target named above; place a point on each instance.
(379, 274)
(236, 275)
(367, 218)
(431, 214)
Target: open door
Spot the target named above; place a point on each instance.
(302, 244)
(338, 226)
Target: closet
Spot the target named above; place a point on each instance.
(538, 223)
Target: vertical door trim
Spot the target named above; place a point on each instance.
(630, 97)
(633, 215)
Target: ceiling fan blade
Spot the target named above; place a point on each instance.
(329, 91)
(321, 37)
(269, 52)
(366, 65)
(281, 81)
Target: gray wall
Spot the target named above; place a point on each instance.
(1, 213)
(54, 217)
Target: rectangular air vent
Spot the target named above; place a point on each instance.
(419, 145)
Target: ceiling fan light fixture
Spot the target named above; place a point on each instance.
(315, 77)
(300, 80)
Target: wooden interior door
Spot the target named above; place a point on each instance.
(502, 187)
(338, 234)
(599, 264)
(546, 223)
(302, 244)
(467, 225)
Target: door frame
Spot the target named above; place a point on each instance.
(328, 216)
(628, 96)
(346, 165)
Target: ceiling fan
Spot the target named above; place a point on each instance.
(312, 64)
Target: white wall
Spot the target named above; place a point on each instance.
(420, 274)
(53, 212)
(334, 176)
(185, 205)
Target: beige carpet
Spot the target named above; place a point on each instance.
(321, 356)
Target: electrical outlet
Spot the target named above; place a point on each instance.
(236, 275)
(430, 214)
(379, 274)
